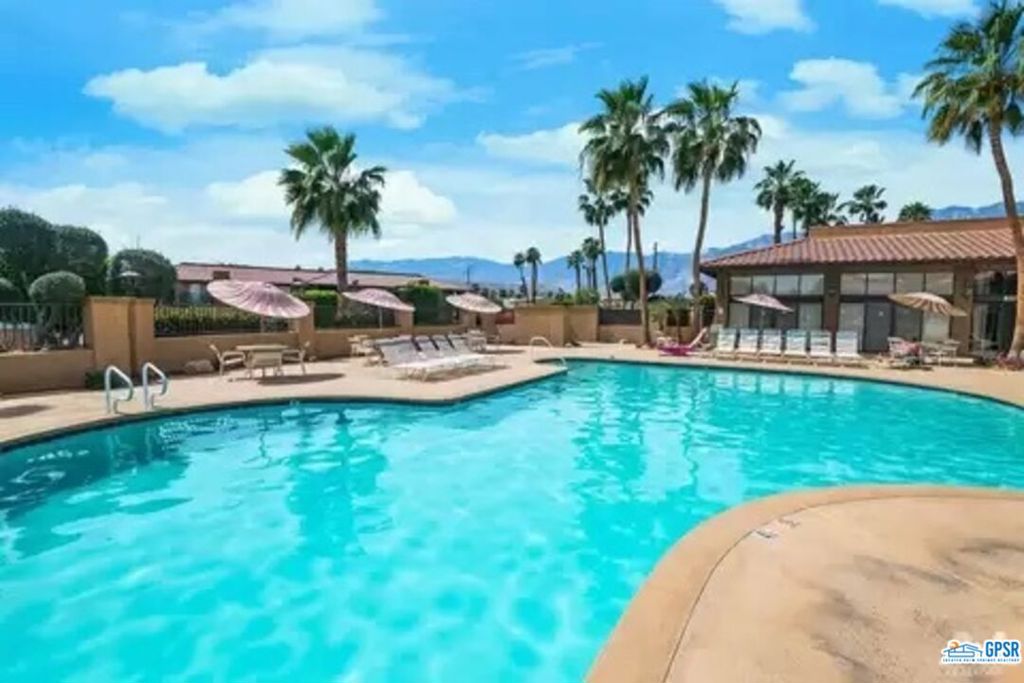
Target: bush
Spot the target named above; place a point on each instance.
(141, 272)
(27, 247)
(60, 287)
(83, 252)
(628, 285)
(431, 308)
(586, 297)
(9, 294)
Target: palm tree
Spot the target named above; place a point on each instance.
(814, 206)
(598, 208)
(775, 192)
(710, 143)
(867, 204)
(621, 201)
(973, 89)
(627, 145)
(915, 212)
(324, 187)
(591, 252)
(519, 261)
(575, 261)
(533, 258)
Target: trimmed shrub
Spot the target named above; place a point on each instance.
(9, 294)
(60, 287)
(431, 308)
(27, 247)
(141, 272)
(84, 252)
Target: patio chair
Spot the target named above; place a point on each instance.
(748, 345)
(903, 354)
(796, 345)
(670, 347)
(298, 355)
(725, 345)
(771, 344)
(264, 360)
(227, 359)
(477, 340)
(848, 348)
(820, 346)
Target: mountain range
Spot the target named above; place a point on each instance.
(555, 274)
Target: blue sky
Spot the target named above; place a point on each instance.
(163, 123)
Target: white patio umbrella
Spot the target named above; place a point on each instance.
(261, 298)
(379, 299)
(764, 302)
(929, 303)
(473, 303)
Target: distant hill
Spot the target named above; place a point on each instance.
(957, 212)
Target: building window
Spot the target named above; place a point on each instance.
(764, 284)
(195, 293)
(787, 285)
(939, 283)
(880, 284)
(909, 282)
(853, 284)
(908, 323)
(810, 316)
(739, 315)
(995, 284)
(851, 317)
(739, 286)
(222, 275)
(812, 284)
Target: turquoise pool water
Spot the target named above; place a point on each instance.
(496, 540)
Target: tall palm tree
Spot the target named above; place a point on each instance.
(534, 260)
(621, 202)
(323, 186)
(592, 251)
(973, 89)
(775, 192)
(575, 261)
(519, 261)
(710, 143)
(915, 212)
(867, 204)
(598, 208)
(627, 145)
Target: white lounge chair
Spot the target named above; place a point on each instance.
(821, 346)
(848, 348)
(461, 345)
(771, 344)
(227, 359)
(400, 355)
(431, 351)
(725, 345)
(796, 345)
(748, 345)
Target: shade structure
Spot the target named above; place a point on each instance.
(473, 303)
(929, 303)
(258, 297)
(379, 298)
(764, 301)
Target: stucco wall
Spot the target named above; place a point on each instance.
(44, 370)
(171, 353)
(613, 334)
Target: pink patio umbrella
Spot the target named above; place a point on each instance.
(379, 299)
(929, 303)
(260, 298)
(473, 303)
(764, 302)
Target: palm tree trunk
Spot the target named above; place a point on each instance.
(577, 279)
(779, 210)
(629, 239)
(705, 200)
(995, 134)
(634, 197)
(533, 283)
(341, 268)
(604, 261)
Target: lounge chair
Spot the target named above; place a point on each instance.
(748, 345)
(400, 355)
(227, 359)
(673, 348)
(298, 355)
(848, 348)
(437, 353)
(725, 345)
(771, 345)
(460, 344)
(821, 346)
(796, 345)
(903, 354)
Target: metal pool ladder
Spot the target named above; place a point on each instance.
(149, 400)
(547, 342)
(112, 401)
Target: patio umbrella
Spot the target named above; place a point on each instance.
(261, 298)
(764, 302)
(473, 303)
(929, 303)
(379, 299)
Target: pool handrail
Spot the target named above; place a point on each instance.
(547, 343)
(148, 400)
(111, 401)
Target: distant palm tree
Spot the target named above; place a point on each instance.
(627, 145)
(867, 204)
(591, 252)
(575, 261)
(519, 261)
(814, 206)
(710, 143)
(973, 89)
(534, 260)
(776, 192)
(324, 187)
(915, 212)
(598, 208)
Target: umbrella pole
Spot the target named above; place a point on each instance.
(380, 318)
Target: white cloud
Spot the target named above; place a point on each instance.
(552, 56)
(555, 146)
(936, 8)
(765, 16)
(293, 19)
(857, 86)
(291, 84)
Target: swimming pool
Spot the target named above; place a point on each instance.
(494, 540)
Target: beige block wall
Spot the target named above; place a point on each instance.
(334, 343)
(108, 330)
(613, 334)
(582, 323)
(537, 321)
(171, 353)
(44, 370)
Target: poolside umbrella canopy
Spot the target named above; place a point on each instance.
(379, 298)
(764, 301)
(473, 303)
(929, 303)
(260, 298)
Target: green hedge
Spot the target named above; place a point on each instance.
(431, 308)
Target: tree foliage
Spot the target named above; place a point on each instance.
(141, 272)
(58, 287)
(82, 251)
(27, 247)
